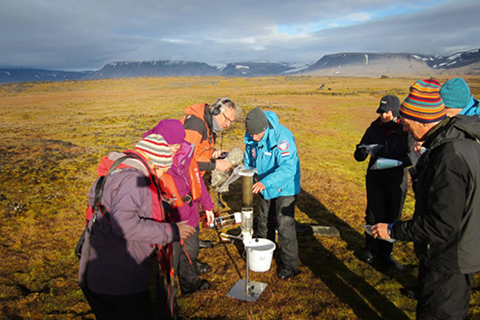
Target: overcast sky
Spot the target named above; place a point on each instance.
(87, 34)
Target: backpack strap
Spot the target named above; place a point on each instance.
(133, 155)
(97, 201)
(97, 206)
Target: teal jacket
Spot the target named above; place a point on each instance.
(471, 109)
(276, 159)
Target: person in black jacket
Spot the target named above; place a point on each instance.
(446, 221)
(386, 187)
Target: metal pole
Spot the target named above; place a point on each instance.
(247, 285)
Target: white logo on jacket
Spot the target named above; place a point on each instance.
(283, 146)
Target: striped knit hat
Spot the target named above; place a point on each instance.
(424, 103)
(155, 147)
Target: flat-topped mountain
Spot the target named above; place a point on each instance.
(356, 64)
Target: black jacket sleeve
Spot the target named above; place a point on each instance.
(440, 202)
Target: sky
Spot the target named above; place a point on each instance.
(75, 35)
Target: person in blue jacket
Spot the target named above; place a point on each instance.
(270, 147)
(458, 99)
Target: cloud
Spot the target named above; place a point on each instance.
(78, 35)
(438, 30)
(359, 16)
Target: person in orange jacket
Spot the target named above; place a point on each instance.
(202, 122)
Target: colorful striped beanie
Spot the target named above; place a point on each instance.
(424, 103)
(156, 148)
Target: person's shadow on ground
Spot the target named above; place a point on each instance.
(350, 288)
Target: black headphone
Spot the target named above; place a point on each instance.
(218, 105)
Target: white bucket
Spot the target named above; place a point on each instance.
(260, 253)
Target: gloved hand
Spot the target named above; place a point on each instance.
(361, 153)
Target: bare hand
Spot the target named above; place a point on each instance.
(258, 187)
(223, 165)
(380, 230)
(185, 230)
(418, 147)
(210, 216)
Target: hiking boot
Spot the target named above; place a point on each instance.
(202, 267)
(202, 285)
(390, 262)
(205, 244)
(411, 294)
(367, 256)
(286, 273)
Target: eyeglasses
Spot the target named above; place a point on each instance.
(227, 119)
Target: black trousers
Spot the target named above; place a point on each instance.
(121, 307)
(385, 198)
(443, 295)
(184, 262)
(279, 213)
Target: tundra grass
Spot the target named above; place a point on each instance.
(53, 135)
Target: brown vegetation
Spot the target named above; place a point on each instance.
(53, 135)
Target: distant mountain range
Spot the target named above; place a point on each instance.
(338, 64)
(13, 75)
(395, 64)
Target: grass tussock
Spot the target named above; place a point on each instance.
(53, 135)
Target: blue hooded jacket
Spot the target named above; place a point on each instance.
(472, 108)
(276, 159)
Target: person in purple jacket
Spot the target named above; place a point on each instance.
(115, 268)
(185, 253)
